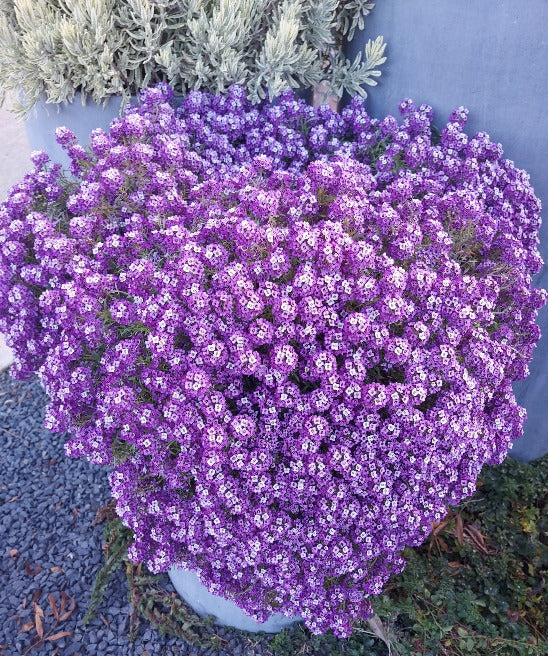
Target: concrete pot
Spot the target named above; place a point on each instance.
(204, 603)
(6, 354)
(81, 119)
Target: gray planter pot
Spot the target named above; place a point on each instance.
(205, 603)
(81, 119)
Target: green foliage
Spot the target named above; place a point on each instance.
(350, 76)
(300, 641)
(55, 48)
(476, 588)
(117, 540)
(165, 611)
(351, 14)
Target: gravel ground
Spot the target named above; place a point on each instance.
(51, 547)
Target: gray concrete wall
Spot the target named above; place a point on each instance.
(14, 151)
(492, 57)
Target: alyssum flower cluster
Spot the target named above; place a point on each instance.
(291, 333)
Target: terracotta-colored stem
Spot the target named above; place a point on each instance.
(323, 96)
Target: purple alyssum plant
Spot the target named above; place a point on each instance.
(301, 326)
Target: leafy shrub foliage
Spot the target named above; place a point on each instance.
(105, 47)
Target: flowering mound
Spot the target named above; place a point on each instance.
(292, 372)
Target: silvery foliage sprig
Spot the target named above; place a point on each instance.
(55, 48)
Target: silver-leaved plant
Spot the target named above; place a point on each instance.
(52, 49)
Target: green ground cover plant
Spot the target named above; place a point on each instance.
(477, 587)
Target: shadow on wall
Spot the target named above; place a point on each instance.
(491, 57)
(14, 151)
